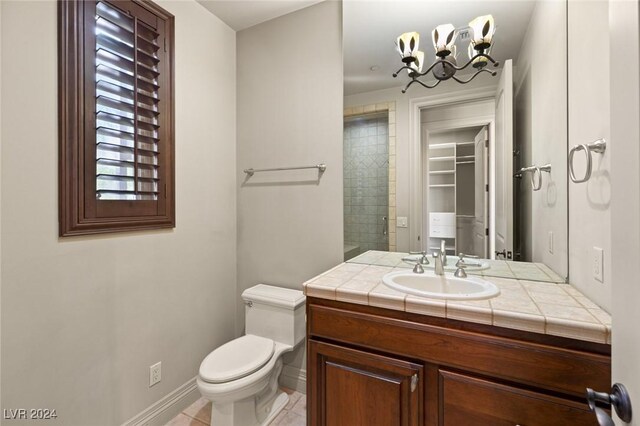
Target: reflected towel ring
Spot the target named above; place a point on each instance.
(536, 175)
(599, 146)
(537, 171)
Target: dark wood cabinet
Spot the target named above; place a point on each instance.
(355, 387)
(373, 366)
(466, 400)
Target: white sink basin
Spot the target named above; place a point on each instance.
(473, 264)
(440, 287)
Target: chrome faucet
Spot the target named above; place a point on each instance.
(438, 258)
(443, 251)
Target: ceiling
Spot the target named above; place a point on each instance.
(242, 14)
(371, 27)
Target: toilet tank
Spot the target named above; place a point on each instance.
(275, 313)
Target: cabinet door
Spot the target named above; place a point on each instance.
(466, 400)
(348, 387)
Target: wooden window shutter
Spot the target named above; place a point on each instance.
(116, 115)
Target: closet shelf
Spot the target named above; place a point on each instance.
(443, 185)
(436, 248)
(442, 172)
(449, 158)
(443, 146)
(466, 157)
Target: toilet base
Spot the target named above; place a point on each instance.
(244, 412)
(277, 406)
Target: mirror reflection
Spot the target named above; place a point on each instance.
(464, 150)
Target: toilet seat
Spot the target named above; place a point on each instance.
(236, 359)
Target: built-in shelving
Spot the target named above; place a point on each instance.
(436, 248)
(448, 158)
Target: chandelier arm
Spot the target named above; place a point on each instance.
(415, 80)
(406, 67)
(479, 55)
(454, 66)
(493, 73)
(422, 74)
(451, 64)
(457, 68)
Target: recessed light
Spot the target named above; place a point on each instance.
(374, 68)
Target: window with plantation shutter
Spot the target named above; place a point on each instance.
(116, 116)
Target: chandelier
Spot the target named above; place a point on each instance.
(446, 66)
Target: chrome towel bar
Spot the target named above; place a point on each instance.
(321, 168)
(599, 146)
(536, 175)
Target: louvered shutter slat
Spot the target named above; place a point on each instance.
(127, 106)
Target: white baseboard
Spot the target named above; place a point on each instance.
(168, 407)
(294, 378)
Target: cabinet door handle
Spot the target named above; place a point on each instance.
(414, 382)
(619, 400)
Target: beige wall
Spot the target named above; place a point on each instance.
(84, 318)
(589, 101)
(289, 114)
(0, 204)
(541, 126)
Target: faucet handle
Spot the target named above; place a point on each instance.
(423, 260)
(460, 272)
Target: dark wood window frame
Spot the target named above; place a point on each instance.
(81, 212)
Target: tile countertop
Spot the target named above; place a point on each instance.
(548, 308)
(499, 268)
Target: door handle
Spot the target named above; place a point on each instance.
(414, 382)
(619, 400)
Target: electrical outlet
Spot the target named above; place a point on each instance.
(402, 222)
(155, 374)
(598, 264)
(550, 248)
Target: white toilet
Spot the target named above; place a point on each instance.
(240, 378)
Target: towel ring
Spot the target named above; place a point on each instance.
(599, 146)
(536, 175)
(537, 171)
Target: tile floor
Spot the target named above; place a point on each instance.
(199, 413)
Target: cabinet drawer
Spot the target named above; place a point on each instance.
(565, 371)
(466, 400)
(440, 231)
(442, 219)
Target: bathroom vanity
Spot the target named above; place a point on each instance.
(380, 357)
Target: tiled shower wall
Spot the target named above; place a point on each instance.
(366, 182)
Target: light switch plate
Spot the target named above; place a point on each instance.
(598, 264)
(401, 222)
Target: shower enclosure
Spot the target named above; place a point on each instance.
(366, 183)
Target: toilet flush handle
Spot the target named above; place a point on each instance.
(249, 303)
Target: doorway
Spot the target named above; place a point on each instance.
(456, 189)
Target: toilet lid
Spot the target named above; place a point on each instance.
(236, 359)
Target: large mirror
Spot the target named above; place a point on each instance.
(465, 149)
